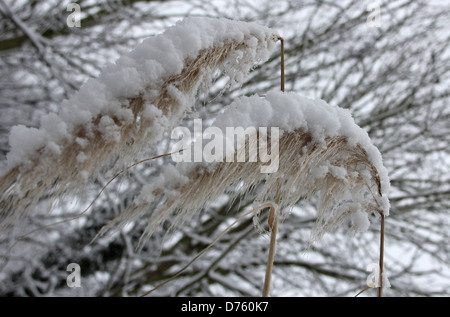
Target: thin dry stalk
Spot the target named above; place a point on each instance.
(274, 213)
(282, 64)
(274, 216)
(270, 258)
(380, 287)
(381, 261)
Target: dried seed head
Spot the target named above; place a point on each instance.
(126, 110)
(340, 170)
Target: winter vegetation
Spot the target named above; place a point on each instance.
(130, 106)
(320, 149)
(361, 101)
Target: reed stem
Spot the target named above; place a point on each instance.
(380, 288)
(273, 224)
(273, 217)
(282, 64)
(271, 257)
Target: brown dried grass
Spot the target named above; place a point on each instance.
(293, 181)
(56, 175)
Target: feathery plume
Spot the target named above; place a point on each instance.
(321, 151)
(113, 118)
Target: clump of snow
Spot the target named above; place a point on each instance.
(169, 178)
(24, 142)
(290, 111)
(319, 171)
(82, 157)
(360, 220)
(109, 130)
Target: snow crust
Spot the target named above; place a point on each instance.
(291, 111)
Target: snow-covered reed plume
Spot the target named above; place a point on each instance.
(128, 108)
(321, 150)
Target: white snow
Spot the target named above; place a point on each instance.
(168, 179)
(359, 219)
(320, 171)
(24, 142)
(290, 111)
(82, 157)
